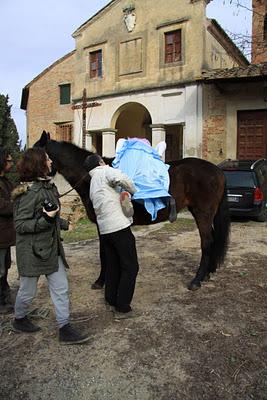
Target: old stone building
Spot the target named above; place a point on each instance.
(46, 100)
(137, 71)
(234, 101)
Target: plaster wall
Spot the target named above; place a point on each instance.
(221, 104)
(107, 31)
(216, 55)
(166, 107)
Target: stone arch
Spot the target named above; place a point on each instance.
(132, 119)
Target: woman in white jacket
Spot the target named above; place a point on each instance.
(116, 235)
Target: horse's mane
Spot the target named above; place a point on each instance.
(71, 153)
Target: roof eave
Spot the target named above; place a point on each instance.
(78, 31)
(216, 30)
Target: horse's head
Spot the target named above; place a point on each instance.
(43, 142)
(44, 139)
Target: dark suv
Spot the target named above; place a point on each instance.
(246, 182)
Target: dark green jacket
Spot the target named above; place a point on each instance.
(38, 243)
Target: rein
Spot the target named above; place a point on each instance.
(77, 184)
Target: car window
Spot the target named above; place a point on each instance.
(239, 178)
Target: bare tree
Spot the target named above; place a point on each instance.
(254, 42)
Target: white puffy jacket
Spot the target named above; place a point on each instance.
(105, 188)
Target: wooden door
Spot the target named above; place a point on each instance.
(251, 134)
(174, 142)
(97, 142)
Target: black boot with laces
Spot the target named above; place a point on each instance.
(24, 325)
(68, 335)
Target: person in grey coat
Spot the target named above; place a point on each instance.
(39, 249)
(7, 231)
(117, 238)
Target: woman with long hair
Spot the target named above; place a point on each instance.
(38, 246)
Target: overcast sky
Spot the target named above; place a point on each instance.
(35, 33)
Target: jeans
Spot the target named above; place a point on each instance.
(58, 288)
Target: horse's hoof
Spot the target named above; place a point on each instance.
(206, 278)
(97, 285)
(194, 285)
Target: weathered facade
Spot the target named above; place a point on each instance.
(235, 113)
(141, 67)
(235, 102)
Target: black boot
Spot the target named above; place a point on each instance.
(8, 297)
(24, 325)
(68, 335)
(172, 210)
(5, 307)
(97, 285)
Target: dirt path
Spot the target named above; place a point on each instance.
(209, 344)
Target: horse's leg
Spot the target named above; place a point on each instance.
(204, 224)
(99, 283)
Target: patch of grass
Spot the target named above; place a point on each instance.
(83, 230)
(181, 225)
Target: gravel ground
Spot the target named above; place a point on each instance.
(209, 344)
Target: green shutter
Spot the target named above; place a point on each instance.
(64, 94)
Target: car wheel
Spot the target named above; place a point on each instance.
(262, 217)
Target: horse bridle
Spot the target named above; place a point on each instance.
(75, 186)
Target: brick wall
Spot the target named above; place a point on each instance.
(214, 125)
(43, 109)
(259, 45)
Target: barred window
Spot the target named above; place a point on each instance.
(64, 132)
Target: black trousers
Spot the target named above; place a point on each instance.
(122, 268)
(5, 265)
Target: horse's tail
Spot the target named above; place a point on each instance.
(221, 232)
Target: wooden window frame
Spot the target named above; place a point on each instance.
(173, 46)
(95, 64)
(64, 132)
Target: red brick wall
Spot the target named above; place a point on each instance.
(43, 108)
(214, 125)
(259, 46)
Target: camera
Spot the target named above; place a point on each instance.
(49, 205)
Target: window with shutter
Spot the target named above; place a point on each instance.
(173, 48)
(95, 60)
(64, 94)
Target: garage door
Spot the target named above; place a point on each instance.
(252, 134)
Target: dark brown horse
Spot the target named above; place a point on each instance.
(194, 183)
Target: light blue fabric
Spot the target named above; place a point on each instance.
(148, 172)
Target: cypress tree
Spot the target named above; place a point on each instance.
(9, 137)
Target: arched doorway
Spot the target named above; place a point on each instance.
(132, 120)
